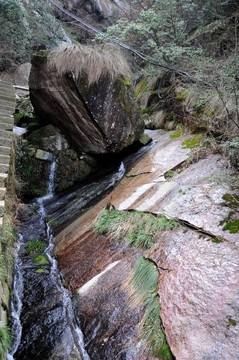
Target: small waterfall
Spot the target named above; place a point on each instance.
(16, 302)
(54, 277)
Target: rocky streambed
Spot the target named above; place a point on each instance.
(197, 260)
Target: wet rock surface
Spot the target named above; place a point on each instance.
(198, 262)
(101, 118)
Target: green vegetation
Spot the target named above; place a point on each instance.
(232, 226)
(177, 133)
(34, 247)
(53, 223)
(30, 172)
(231, 200)
(5, 341)
(169, 173)
(231, 322)
(144, 283)
(192, 143)
(24, 27)
(140, 229)
(7, 239)
(41, 259)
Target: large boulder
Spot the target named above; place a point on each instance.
(81, 93)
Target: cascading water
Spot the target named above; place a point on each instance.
(43, 322)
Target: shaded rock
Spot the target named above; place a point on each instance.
(198, 289)
(71, 168)
(101, 118)
(48, 138)
(43, 155)
(21, 75)
(156, 121)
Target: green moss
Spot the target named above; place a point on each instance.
(145, 139)
(231, 322)
(232, 226)
(169, 173)
(121, 86)
(177, 133)
(216, 240)
(181, 95)
(53, 224)
(139, 228)
(231, 200)
(41, 259)
(192, 143)
(41, 271)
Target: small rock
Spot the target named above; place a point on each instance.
(43, 155)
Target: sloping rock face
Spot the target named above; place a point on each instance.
(199, 295)
(102, 118)
(197, 262)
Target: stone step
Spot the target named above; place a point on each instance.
(2, 207)
(6, 126)
(2, 193)
(5, 150)
(4, 168)
(5, 134)
(4, 159)
(5, 104)
(7, 119)
(5, 142)
(4, 84)
(8, 96)
(3, 179)
(6, 112)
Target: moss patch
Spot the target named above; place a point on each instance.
(177, 133)
(232, 226)
(41, 259)
(192, 143)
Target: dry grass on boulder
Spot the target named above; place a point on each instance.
(96, 61)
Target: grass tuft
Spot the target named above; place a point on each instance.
(144, 283)
(34, 247)
(95, 61)
(139, 228)
(5, 341)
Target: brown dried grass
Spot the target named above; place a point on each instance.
(95, 61)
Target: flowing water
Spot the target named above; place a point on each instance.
(44, 326)
(43, 321)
